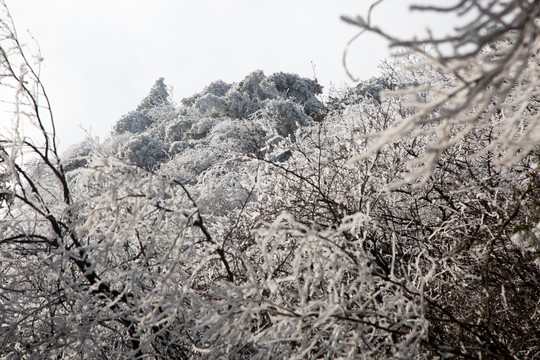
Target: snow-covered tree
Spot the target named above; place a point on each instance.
(236, 226)
(134, 123)
(492, 67)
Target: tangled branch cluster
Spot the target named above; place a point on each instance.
(237, 225)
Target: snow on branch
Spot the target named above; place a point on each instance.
(491, 76)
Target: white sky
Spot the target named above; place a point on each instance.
(102, 56)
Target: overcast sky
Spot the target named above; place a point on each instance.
(102, 56)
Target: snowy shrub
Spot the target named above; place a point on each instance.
(211, 105)
(177, 129)
(158, 96)
(115, 142)
(225, 187)
(177, 147)
(201, 128)
(154, 107)
(134, 122)
(142, 151)
(239, 105)
(187, 165)
(75, 156)
(313, 107)
(217, 88)
(284, 117)
(301, 90)
(256, 87)
(237, 136)
(162, 113)
(373, 87)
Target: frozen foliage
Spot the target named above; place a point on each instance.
(192, 162)
(284, 116)
(225, 187)
(256, 87)
(237, 137)
(143, 151)
(242, 99)
(374, 87)
(134, 122)
(240, 105)
(237, 227)
(302, 90)
(76, 155)
(244, 118)
(217, 88)
(177, 129)
(211, 105)
(155, 107)
(162, 113)
(244, 115)
(159, 95)
(492, 64)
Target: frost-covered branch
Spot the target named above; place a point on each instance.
(491, 67)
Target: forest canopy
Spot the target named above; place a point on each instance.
(262, 219)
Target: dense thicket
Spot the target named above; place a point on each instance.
(256, 221)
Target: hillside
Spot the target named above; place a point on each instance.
(261, 219)
(266, 215)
